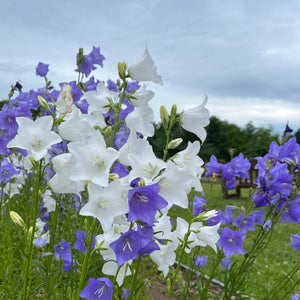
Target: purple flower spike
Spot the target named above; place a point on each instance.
(231, 242)
(42, 69)
(144, 201)
(101, 288)
(295, 242)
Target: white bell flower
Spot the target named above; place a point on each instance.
(141, 96)
(97, 100)
(93, 160)
(144, 69)
(35, 136)
(141, 120)
(165, 257)
(105, 204)
(195, 119)
(174, 184)
(63, 165)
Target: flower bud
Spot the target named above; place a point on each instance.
(173, 111)
(142, 182)
(43, 103)
(122, 70)
(17, 219)
(113, 176)
(175, 143)
(164, 117)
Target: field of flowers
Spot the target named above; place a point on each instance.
(89, 212)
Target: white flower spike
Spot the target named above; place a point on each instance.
(145, 69)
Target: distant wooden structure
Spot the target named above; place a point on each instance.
(242, 183)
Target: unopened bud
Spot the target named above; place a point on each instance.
(108, 131)
(175, 143)
(173, 111)
(113, 176)
(122, 70)
(164, 117)
(17, 219)
(30, 232)
(43, 103)
(142, 182)
(33, 162)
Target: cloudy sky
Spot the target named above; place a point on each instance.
(245, 55)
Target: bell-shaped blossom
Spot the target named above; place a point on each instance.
(105, 203)
(141, 120)
(174, 184)
(142, 96)
(213, 166)
(200, 261)
(61, 183)
(80, 243)
(144, 69)
(7, 170)
(295, 242)
(42, 69)
(93, 160)
(98, 100)
(49, 201)
(130, 244)
(231, 242)
(195, 119)
(63, 253)
(35, 136)
(144, 201)
(134, 145)
(80, 127)
(165, 257)
(113, 269)
(98, 289)
(144, 164)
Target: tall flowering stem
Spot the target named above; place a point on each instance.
(31, 231)
(248, 259)
(87, 257)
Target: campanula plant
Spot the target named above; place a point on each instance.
(95, 208)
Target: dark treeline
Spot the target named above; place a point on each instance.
(221, 135)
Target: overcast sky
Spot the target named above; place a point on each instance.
(245, 55)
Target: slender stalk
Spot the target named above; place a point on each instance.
(30, 235)
(134, 279)
(89, 236)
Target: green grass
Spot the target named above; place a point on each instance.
(271, 265)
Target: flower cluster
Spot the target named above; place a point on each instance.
(237, 167)
(83, 151)
(92, 138)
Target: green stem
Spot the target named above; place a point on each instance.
(30, 235)
(89, 236)
(134, 279)
(248, 259)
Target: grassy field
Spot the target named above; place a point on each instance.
(271, 265)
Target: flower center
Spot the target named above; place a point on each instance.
(36, 142)
(126, 244)
(102, 204)
(100, 291)
(98, 162)
(150, 169)
(140, 198)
